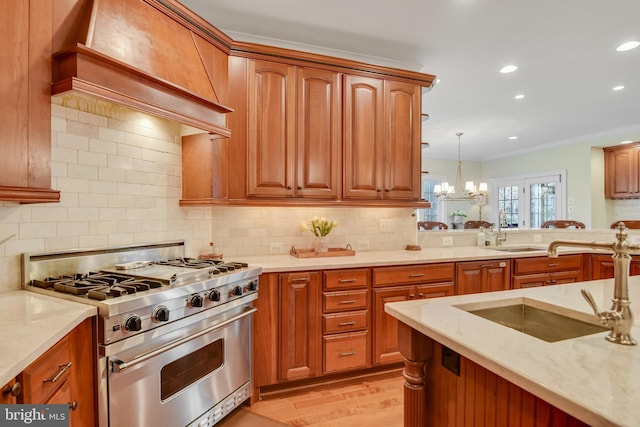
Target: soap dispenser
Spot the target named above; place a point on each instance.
(480, 242)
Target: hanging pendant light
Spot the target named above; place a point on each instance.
(456, 193)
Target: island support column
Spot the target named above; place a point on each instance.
(416, 349)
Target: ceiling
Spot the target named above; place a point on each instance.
(565, 52)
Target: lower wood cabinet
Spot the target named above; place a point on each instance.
(483, 276)
(299, 325)
(544, 271)
(392, 284)
(602, 266)
(65, 374)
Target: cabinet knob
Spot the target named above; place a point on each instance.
(387, 190)
(412, 296)
(13, 390)
(379, 190)
(289, 187)
(420, 295)
(299, 187)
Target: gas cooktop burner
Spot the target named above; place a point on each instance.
(202, 263)
(98, 286)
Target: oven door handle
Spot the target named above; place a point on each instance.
(118, 364)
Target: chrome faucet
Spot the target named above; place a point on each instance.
(620, 317)
(501, 236)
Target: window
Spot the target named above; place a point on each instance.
(529, 200)
(433, 213)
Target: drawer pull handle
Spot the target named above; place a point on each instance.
(555, 264)
(347, 323)
(347, 353)
(347, 301)
(486, 265)
(13, 390)
(416, 275)
(346, 280)
(63, 369)
(300, 279)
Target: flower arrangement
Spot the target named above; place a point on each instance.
(320, 227)
(458, 212)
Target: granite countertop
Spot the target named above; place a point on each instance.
(285, 263)
(590, 378)
(32, 324)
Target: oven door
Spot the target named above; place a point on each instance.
(175, 384)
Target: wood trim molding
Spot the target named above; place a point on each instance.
(418, 204)
(296, 57)
(29, 195)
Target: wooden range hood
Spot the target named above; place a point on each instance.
(151, 55)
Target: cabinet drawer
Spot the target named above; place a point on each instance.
(546, 264)
(344, 322)
(343, 301)
(49, 372)
(391, 276)
(346, 279)
(345, 351)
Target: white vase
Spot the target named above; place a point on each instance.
(322, 245)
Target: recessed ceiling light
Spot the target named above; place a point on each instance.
(628, 46)
(508, 69)
(519, 96)
(619, 87)
(626, 142)
(513, 137)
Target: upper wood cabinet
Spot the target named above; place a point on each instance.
(25, 118)
(382, 139)
(293, 131)
(314, 130)
(622, 171)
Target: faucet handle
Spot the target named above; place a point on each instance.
(587, 296)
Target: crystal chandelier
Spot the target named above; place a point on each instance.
(471, 193)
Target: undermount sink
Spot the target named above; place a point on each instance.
(517, 248)
(533, 318)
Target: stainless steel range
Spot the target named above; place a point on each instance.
(174, 333)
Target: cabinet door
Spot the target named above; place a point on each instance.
(363, 123)
(402, 142)
(385, 338)
(621, 172)
(300, 321)
(602, 267)
(318, 133)
(473, 277)
(266, 365)
(271, 129)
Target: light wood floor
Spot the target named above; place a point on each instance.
(370, 402)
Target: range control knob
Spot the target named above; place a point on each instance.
(253, 285)
(132, 323)
(196, 300)
(237, 291)
(160, 314)
(214, 295)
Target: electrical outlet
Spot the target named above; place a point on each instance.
(276, 248)
(363, 245)
(537, 238)
(386, 226)
(447, 241)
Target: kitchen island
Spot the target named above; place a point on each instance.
(546, 383)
